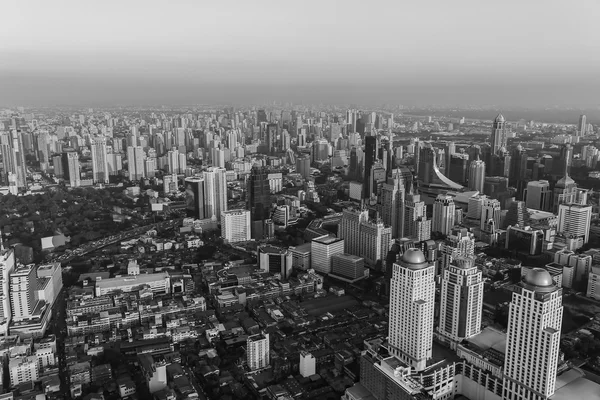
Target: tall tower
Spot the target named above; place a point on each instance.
(370, 157)
(23, 287)
(443, 214)
(412, 300)
(461, 243)
(99, 160)
(490, 210)
(498, 137)
(7, 265)
(538, 195)
(375, 241)
(215, 192)
(135, 158)
(349, 229)
(461, 299)
(258, 200)
(392, 207)
(574, 221)
(582, 126)
(415, 212)
(477, 175)
(533, 337)
(72, 168)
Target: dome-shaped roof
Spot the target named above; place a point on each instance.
(413, 256)
(538, 277)
(519, 147)
(499, 118)
(565, 181)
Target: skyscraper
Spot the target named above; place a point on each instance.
(498, 137)
(411, 309)
(533, 337)
(461, 299)
(538, 195)
(518, 170)
(349, 229)
(392, 205)
(477, 175)
(574, 222)
(99, 160)
(259, 200)
(415, 217)
(215, 192)
(194, 195)
(7, 265)
(443, 214)
(271, 138)
(375, 241)
(13, 156)
(235, 226)
(135, 159)
(72, 168)
(460, 243)
(369, 157)
(582, 126)
(23, 287)
(257, 351)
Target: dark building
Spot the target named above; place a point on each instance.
(194, 197)
(271, 139)
(261, 116)
(259, 201)
(518, 170)
(370, 157)
(353, 171)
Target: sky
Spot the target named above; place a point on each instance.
(460, 52)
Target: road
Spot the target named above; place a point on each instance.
(58, 326)
(110, 240)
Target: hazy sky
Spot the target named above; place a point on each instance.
(522, 52)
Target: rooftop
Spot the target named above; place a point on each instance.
(138, 279)
(327, 239)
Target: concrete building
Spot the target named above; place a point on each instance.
(235, 226)
(135, 160)
(301, 257)
(23, 370)
(99, 160)
(593, 287)
(7, 265)
(258, 351)
(275, 260)
(322, 249)
(477, 175)
(23, 287)
(348, 266)
(375, 241)
(308, 364)
(411, 309)
(443, 214)
(416, 225)
(349, 229)
(461, 300)
(538, 195)
(533, 338)
(158, 283)
(574, 222)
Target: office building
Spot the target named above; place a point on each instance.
(99, 160)
(477, 175)
(135, 163)
(235, 226)
(443, 214)
(348, 266)
(574, 222)
(524, 239)
(349, 229)
(533, 338)
(275, 260)
(303, 166)
(258, 351)
(159, 283)
(566, 192)
(415, 218)
(13, 155)
(459, 243)
(498, 136)
(538, 195)
(259, 201)
(370, 157)
(23, 287)
(53, 274)
(375, 241)
(593, 286)
(461, 299)
(392, 205)
(215, 192)
(518, 169)
(582, 126)
(490, 211)
(195, 197)
(72, 169)
(301, 257)
(411, 309)
(322, 249)
(517, 215)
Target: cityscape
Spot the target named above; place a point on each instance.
(199, 238)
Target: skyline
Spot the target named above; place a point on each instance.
(441, 53)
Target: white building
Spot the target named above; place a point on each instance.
(574, 221)
(99, 160)
(158, 283)
(375, 241)
(215, 192)
(23, 287)
(593, 287)
(135, 160)
(235, 226)
(461, 299)
(308, 364)
(322, 249)
(411, 309)
(257, 351)
(349, 229)
(7, 265)
(23, 370)
(533, 338)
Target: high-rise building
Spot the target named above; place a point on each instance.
(538, 195)
(271, 138)
(582, 126)
(460, 243)
(461, 299)
(135, 159)
(322, 249)
(574, 222)
(498, 137)
(258, 200)
(518, 169)
(215, 192)
(415, 212)
(370, 157)
(7, 265)
(443, 214)
(23, 370)
(566, 192)
(349, 229)
(235, 226)
(490, 210)
(392, 204)
(99, 160)
(533, 338)
(303, 166)
(375, 241)
(23, 287)
(275, 260)
(411, 309)
(477, 175)
(71, 168)
(258, 351)
(194, 196)
(348, 266)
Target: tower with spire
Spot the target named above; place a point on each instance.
(498, 137)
